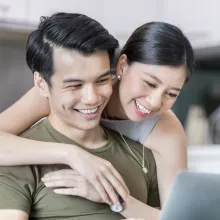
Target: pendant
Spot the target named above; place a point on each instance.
(144, 169)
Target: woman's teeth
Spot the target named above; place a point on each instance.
(89, 111)
(142, 108)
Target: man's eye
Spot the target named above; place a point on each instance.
(76, 86)
(102, 81)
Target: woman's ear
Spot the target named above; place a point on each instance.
(121, 65)
(41, 84)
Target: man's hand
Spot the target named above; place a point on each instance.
(100, 173)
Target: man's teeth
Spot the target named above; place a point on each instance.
(142, 108)
(89, 111)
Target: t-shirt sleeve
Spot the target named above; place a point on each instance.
(16, 188)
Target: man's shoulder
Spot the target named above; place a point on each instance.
(38, 132)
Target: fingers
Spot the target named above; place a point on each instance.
(117, 182)
(100, 189)
(81, 192)
(62, 175)
(109, 190)
(62, 172)
(69, 191)
(121, 190)
(108, 183)
(62, 183)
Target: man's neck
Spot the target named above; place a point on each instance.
(94, 138)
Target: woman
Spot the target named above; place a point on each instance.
(152, 68)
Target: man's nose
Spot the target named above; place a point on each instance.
(90, 95)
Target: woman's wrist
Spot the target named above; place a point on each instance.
(69, 154)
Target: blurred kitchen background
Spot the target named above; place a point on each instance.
(196, 107)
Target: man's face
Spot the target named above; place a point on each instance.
(81, 88)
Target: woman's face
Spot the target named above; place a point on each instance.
(146, 90)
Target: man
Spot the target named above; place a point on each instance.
(70, 57)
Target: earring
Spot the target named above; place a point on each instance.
(119, 77)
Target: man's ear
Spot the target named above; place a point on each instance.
(41, 84)
(122, 65)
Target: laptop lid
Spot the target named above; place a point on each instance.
(194, 196)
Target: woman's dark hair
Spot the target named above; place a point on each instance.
(160, 43)
(69, 31)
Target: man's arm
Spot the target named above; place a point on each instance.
(17, 185)
(11, 214)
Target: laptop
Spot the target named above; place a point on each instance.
(194, 196)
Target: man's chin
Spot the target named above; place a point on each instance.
(88, 125)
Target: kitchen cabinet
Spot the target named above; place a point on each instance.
(199, 20)
(204, 158)
(47, 7)
(119, 17)
(14, 11)
(122, 17)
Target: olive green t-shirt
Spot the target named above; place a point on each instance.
(21, 187)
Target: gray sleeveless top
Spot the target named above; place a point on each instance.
(137, 131)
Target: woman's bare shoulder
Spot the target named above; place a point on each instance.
(167, 133)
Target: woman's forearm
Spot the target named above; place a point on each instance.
(137, 209)
(25, 112)
(20, 151)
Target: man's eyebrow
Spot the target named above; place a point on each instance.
(108, 72)
(72, 80)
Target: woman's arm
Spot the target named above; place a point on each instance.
(169, 151)
(20, 151)
(134, 207)
(24, 113)
(69, 182)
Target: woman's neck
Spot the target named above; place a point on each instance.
(114, 108)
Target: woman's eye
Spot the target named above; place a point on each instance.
(172, 95)
(150, 84)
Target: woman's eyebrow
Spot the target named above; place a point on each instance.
(154, 77)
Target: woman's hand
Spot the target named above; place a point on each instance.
(70, 182)
(99, 172)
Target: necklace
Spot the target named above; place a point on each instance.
(142, 163)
